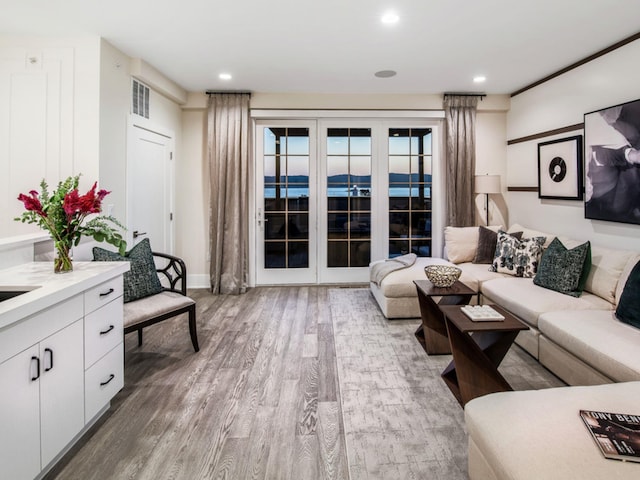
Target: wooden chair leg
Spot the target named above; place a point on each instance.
(192, 328)
(140, 337)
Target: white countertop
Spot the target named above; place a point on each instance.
(47, 288)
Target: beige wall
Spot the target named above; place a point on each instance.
(606, 81)
(192, 186)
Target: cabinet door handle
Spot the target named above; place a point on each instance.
(50, 352)
(108, 292)
(104, 332)
(111, 377)
(37, 359)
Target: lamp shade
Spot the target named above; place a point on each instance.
(487, 184)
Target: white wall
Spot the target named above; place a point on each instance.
(606, 81)
(192, 202)
(115, 101)
(49, 126)
(74, 122)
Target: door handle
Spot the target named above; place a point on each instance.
(37, 376)
(137, 234)
(50, 352)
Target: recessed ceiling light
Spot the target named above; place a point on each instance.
(479, 79)
(225, 76)
(390, 18)
(386, 73)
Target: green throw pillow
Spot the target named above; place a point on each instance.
(628, 310)
(562, 269)
(141, 280)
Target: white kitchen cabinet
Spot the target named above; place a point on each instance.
(19, 416)
(43, 407)
(60, 358)
(61, 390)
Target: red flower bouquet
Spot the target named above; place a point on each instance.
(63, 214)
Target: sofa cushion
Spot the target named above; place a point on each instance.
(528, 301)
(538, 434)
(462, 242)
(400, 283)
(561, 269)
(479, 271)
(628, 310)
(517, 257)
(142, 279)
(487, 242)
(597, 338)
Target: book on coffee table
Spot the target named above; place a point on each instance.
(481, 313)
(616, 434)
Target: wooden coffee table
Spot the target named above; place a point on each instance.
(432, 333)
(477, 349)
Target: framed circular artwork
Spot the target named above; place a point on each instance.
(560, 169)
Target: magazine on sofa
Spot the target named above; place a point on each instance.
(617, 434)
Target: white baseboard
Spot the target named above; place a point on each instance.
(198, 281)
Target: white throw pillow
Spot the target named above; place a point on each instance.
(462, 242)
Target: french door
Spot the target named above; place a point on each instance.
(286, 210)
(334, 195)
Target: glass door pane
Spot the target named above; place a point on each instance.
(410, 182)
(348, 157)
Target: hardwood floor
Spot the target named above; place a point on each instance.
(261, 400)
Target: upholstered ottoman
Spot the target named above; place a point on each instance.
(534, 435)
(396, 293)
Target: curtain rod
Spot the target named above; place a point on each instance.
(228, 92)
(462, 94)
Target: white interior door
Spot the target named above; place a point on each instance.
(149, 188)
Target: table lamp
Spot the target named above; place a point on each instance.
(487, 184)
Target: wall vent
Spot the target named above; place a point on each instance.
(140, 98)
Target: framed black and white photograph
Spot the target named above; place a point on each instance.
(612, 163)
(560, 169)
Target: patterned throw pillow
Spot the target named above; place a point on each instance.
(517, 257)
(487, 242)
(561, 269)
(141, 280)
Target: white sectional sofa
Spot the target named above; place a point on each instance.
(539, 434)
(578, 339)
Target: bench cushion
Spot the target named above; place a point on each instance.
(153, 306)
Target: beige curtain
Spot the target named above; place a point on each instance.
(460, 115)
(228, 152)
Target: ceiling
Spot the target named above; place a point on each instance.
(336, 46)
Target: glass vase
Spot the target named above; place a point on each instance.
(63, 262)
